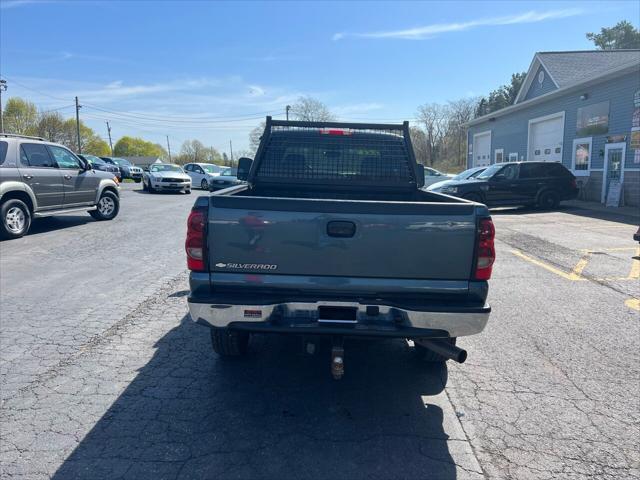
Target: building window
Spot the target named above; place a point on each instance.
(582, 156)
(513, 157)
(593, 119)
(499, 155)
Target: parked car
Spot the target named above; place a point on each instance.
(98, 164)
(166, 176)
(127, 169)
(227, 178)
(40, 178)
(543, 184)
(202, 173)
(431, 175)
(303, 247)
(466, 175)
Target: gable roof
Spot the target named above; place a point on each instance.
(572, 68)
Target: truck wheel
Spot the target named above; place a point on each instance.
(107, 207)
(429, 356)
(549, 200)
(16, 219)
(229, 343)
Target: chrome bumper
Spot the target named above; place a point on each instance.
(389, 320)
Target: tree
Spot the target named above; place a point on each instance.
(434, 118)
(96, 146)
(420, 147)
(622, 35)
(20, 117)
(254, 138)
(51, 127)
(460, 113)
(193, 151)
(502, 97)
(309, 109)
(137, 147)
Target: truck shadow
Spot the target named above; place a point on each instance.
(275, 414)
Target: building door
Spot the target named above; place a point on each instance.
(482, 149)
(614, 154)
(545, 138)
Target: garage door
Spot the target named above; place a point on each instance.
(545, 139)
(482, 149)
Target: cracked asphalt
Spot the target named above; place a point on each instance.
(104, 375)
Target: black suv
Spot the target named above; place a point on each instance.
(544, 184)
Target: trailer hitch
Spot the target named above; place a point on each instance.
(337, 358)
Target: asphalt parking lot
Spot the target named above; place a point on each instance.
(105, 376)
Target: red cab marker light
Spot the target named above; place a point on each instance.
(335, 131)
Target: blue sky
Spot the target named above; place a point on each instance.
(207, 70)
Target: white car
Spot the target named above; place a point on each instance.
(431, 175)
(166, 176)
(202, 173)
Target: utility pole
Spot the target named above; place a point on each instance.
(78, 124)
(286, 109)
(169, 148)
(231, 150)
(109, 132)
(3, 88)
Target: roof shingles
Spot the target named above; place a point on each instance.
(569, 68)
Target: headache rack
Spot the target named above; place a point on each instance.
(335, 154)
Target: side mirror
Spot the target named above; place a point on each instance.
(244, 165)
(420, 175)
(145, 169)
(86, 166)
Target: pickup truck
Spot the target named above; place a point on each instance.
(333, 236)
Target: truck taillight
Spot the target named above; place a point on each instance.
(485, 249)
(196, 240)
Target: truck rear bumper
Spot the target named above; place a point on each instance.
(373, 318)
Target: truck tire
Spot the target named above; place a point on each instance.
(15, 219)
(229, 343)
(429, 356)
(107, 207)
(548, 200)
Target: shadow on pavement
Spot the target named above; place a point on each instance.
(50, 224)
(275, 414)
(611, 216)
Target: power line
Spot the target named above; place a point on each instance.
(37, 91)
(179, 119)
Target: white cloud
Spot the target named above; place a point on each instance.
(430, 31)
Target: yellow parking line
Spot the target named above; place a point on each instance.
(633, 303)
(569, 276)
(577, 270)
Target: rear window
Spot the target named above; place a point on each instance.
(3, 151)
(313, 156)
(35, 155)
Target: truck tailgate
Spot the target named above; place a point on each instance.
(341, 238)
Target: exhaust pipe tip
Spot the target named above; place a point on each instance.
(444, 348)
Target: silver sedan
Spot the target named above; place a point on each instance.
(166, 177)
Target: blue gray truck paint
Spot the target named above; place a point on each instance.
(510, 131)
